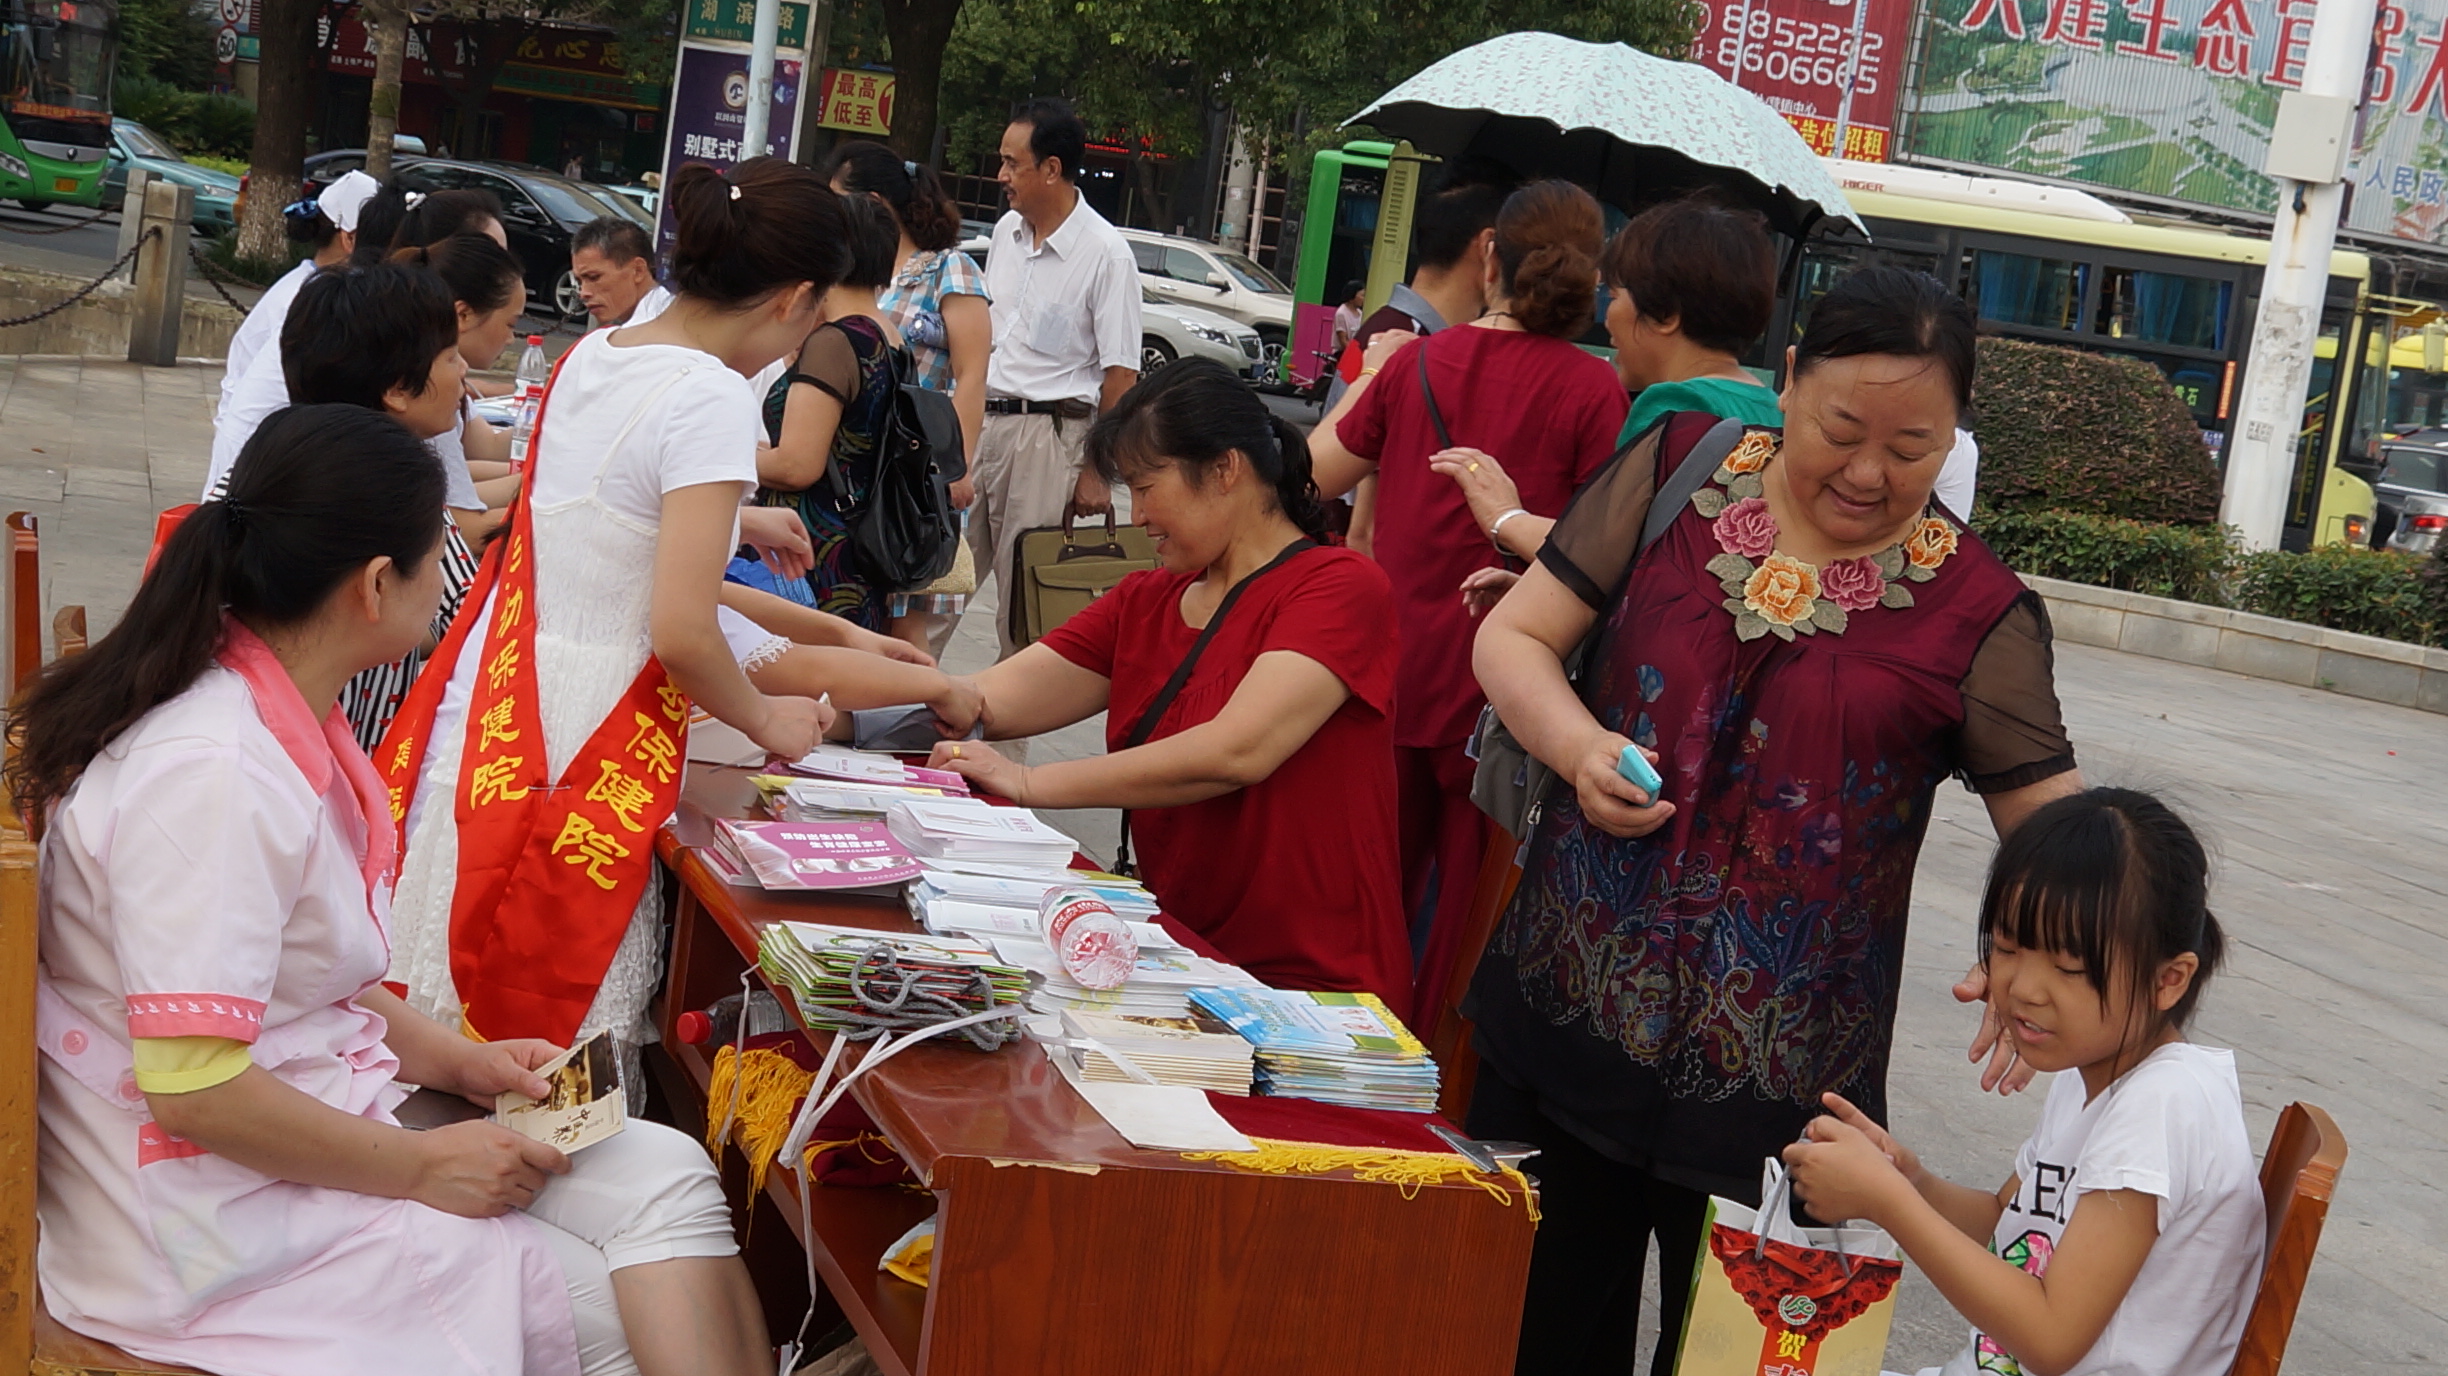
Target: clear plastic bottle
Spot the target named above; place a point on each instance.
(533, 371)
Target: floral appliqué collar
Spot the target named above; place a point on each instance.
(1771, 592)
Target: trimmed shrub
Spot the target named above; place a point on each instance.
(2369, 592)
(2070, 431)
(2195, 563)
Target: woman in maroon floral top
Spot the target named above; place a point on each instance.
(1808, 650)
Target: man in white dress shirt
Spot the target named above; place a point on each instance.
(1065, 293)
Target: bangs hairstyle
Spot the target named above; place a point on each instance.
(1189, 415)
(2113, 878)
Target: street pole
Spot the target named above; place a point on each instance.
(2309, 145)
(754, 137)
(1852, 75)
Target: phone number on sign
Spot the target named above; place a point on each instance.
(1799, 52)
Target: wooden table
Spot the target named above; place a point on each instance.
(1061, 1250)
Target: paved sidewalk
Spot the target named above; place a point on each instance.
(2324, 811)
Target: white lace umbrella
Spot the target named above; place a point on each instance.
(1630, 127)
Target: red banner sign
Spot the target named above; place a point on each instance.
(1796, 54)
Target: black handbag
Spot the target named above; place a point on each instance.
(904, 530)
(1509, 783)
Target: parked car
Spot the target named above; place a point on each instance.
(324, 168)
(1170, 332)
(2412, 493)
(133, 145)
(540, 211)
(645, 198)
(1188, 272)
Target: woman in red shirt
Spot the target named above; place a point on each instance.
(1263, 790)
(1511, 384)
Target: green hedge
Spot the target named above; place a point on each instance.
(2065, 430)
(194, 121)
(2369, 592)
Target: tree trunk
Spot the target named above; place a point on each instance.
(919, 30)
(388, 23)
(497, 44)
(286, 82)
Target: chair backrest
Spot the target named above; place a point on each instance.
(1447, 1032)
(18, 1132)
(23, 562)
(2298, 1175)
(68, 631)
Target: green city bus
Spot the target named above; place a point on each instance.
(56, 60)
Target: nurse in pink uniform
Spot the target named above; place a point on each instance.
(223, 1183)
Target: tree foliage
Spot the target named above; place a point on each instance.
(2069, 430)
(1155, 70)
(168, 41)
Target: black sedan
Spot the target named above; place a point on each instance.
(540, 211)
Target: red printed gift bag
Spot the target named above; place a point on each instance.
(1773, 1299)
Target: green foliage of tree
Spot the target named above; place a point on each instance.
(1155, 70)
(168, 41)
(195, 122)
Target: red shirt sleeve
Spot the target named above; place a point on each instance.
(1363, 429)
(1341, 614)
(1088, 638)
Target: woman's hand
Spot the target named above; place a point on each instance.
(963, 491)
(890, 647)
(2006, 1072)
(482, 1170)
(960, 707)
(1484, 588)
(792, 726)
(1611, 802)
(1484, 483)
(780, 538)
(984, 767)
(490, 1068)
(1840, 1171)
(1381, 346)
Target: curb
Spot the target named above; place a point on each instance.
(2359, 666)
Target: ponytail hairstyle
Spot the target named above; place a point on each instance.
(378, 223)
(768, 225)
(917, 196)
(1547, 239)
(1189, 416)
(481, 274)
(2113, 878)
(317, 493)
(353, 334)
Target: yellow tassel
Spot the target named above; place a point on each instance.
(770, 1088)
(1407, 1170)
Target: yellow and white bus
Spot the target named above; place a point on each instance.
(2060, 266)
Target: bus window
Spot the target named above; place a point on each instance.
(2020, 289)
(2164, 308)
(2312, 437)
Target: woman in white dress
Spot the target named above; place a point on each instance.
(534, 761)
(224, 1184)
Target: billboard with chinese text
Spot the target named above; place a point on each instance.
(1793, 54)
(2175, 98)
(860, 102)
(709, 113)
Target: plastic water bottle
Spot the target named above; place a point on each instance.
(1096, 947)
(533, 370)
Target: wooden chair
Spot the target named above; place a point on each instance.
(30, 1339)
(2298, 1175)
(1448, 1033)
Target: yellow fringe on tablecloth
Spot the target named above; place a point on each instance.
(1408, 1170)
(770, 1089)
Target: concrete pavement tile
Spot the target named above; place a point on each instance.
(111, 485)
(32, 484)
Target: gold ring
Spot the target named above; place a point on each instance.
(1474, 468)
(956, 750)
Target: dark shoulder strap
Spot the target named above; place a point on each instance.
(1435, 416)
(1697, 464)
(1145, 726)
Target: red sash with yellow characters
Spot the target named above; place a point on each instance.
(549, 870)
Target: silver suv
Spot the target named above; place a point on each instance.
(1209, 277)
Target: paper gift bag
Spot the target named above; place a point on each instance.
(1773, 1299)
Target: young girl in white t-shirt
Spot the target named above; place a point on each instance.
(2128, 1241)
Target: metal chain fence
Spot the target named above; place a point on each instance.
(215, 276)
(30, 230)
(87, 290)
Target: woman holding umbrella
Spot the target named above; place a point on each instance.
(1806, 652)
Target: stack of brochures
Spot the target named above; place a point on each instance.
(967, 829)
(794, 799)
(816, 963)
(1197, 1051)
(1159, 985)
(827, 856)
(987, 899)
(1336, 1048)
(868, 767)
